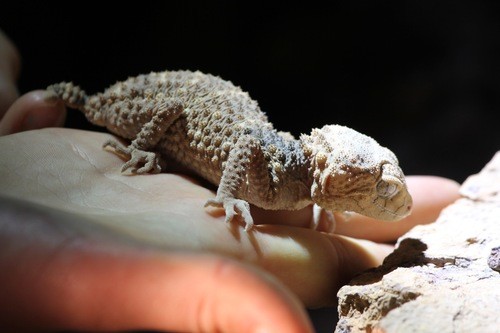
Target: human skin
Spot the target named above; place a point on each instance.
(84, 247)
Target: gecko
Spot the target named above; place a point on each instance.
(216, 130)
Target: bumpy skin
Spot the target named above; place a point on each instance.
(215, 129)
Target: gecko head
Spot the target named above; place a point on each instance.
(352, 172)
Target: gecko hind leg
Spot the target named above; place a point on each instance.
(139, 154)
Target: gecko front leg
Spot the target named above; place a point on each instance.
(234, 181)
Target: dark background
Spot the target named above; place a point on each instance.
(421, 77)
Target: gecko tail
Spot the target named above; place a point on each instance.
(73, 96)
(76, 98)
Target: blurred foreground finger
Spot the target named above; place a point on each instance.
(60, 273)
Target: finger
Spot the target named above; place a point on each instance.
(10, 64)
(357, 255)
(34, 110)
(58, 278)
(430, 195)
(314, 265)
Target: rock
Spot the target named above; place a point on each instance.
(442, 277)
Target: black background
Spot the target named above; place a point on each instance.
(421, 77)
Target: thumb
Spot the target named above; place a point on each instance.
(57, 279)
(34, 110)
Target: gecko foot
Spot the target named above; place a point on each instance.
(232, 207)
(139, 161)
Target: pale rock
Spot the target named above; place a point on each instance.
(442, 277)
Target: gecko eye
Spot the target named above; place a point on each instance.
(387, 189)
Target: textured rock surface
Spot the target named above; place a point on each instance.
(442, 277)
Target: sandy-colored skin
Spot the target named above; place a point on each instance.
(217, 131)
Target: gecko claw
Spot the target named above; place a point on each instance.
(233, 207)
(142, 162)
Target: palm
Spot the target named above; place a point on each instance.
(67, 170)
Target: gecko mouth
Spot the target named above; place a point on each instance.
(394, 213)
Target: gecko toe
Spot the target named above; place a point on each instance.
(117, 148)
(243, 209)
(232, 208)
(213, 203)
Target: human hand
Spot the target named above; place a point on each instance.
(147, 240)
(87, 248)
